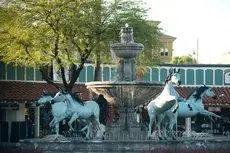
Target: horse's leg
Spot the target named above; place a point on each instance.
(151, 119)
(99, 127)
(173, 121)
(57, 128)
(165, 124)
(73, 118)
(205, 112)
(56, 123)
(159, 124)
(51, 124)
(89, 129)
(84, 128)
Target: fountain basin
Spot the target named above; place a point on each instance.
(131, 93)
(127, 50)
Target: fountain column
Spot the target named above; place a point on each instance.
(125, 90)
(126, 50)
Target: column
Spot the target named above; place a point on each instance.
(37, 121)
(188, 126)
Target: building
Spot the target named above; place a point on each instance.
(166, 51)
(21, 87)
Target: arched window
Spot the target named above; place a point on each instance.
(163, 74)
(209, 77)
(199, 76)
(155, 74)
(190, 77)
(218, 77)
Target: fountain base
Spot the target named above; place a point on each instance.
(128, 97)
(214, 144)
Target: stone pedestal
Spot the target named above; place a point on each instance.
(126, 127)
(134, 146)
(188, 126)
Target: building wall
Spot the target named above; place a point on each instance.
(12, 113)
(191, 75)
(166, 52)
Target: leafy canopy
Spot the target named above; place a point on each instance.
(36, 32)
(188, 59)
(68, 33)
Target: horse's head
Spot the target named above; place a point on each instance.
(59, 97)
(174, 77)
(45, 97)
(210, 93)
(203, 91)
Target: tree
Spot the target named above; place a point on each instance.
(63, 33)
(183, 60)
(134, 13)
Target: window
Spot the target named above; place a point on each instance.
(90, 73)
(30, 73)
(82, 76)
(190, 77)
(155, 74)
(2, 71)
(20, 73)
(163, 74)
(164, 51)
(209, 77)
(106, 73)
(199, 76)
(218, 77)
(10, 72)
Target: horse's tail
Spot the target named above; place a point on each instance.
(103, 105)
(145, 116)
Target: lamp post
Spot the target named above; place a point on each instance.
(197, 51)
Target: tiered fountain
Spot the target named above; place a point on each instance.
(125, 90)
(128, 93)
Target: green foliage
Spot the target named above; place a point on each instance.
(70, 32)
(134, 13)
(183, 60)
(35, 32)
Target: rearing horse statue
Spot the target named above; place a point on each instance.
(196, 106)
(164, 101)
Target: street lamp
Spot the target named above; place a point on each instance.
(197, 50)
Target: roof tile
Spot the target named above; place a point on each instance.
(31, 91)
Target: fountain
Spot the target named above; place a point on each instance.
(125, 90)
(126, 135)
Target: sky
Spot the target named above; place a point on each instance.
(190, 21)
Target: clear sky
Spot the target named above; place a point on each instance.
(189, 20)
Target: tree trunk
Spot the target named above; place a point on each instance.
(97, 71)
(45, 75)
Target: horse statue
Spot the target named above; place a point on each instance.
(196, 106)
(59, 110)
(89, 110)
(164, 101)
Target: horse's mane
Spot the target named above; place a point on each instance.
(76, 98)
(168, 78)
(48, 94)
(199, 91)
(191, 93)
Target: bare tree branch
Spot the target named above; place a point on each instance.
(62, 73)
(45, 76)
